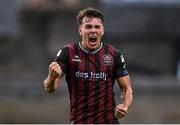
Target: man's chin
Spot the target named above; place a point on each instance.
(93, 43)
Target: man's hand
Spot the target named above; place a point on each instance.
(53, 79)
(121, 110)
(54, 70)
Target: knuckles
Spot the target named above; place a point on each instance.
(54, 68)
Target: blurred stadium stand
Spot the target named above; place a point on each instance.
(9, 17)
(32, 32)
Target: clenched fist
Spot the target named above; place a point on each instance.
(54, 70)
(121, 110)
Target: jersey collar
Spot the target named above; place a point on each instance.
(93, 52)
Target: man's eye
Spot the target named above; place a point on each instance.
(88, 26)
(98, 26)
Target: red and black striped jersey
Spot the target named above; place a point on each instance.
(90, 77)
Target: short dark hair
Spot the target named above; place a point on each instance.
(89, 12)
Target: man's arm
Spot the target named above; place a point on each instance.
(126, 96)
(53, 79)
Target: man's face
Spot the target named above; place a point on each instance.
(91, 31)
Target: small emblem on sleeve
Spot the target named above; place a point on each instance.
(108, 59)
(122, 59)
(58, 54)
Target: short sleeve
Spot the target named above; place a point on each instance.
(120, 65)
(62, 58)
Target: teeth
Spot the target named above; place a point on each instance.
(92, 36)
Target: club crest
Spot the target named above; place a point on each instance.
(108, 59)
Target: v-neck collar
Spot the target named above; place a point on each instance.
(93, 52)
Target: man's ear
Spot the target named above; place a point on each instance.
(79, 30)
(103, 31)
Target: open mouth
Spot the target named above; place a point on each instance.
(92, 38)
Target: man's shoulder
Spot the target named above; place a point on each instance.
(71, 45)
(112, 48)
(107, 45)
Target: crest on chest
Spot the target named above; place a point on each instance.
(107, 59)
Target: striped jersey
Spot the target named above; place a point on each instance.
(90, 77)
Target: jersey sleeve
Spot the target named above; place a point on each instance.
(120, 65)
(62, 58)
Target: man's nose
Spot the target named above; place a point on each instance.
(93, 29)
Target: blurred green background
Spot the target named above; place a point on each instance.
(32, 31)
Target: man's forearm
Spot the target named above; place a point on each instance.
(127, 97)
(49, 84)
(126, 90)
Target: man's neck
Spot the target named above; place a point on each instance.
(90, 50)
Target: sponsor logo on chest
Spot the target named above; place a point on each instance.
(91, 75)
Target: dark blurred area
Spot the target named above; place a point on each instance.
(32, 31)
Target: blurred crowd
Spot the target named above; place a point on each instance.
(32, 32)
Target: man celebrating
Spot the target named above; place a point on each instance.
(91, 68)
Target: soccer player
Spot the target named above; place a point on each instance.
(91, 68)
